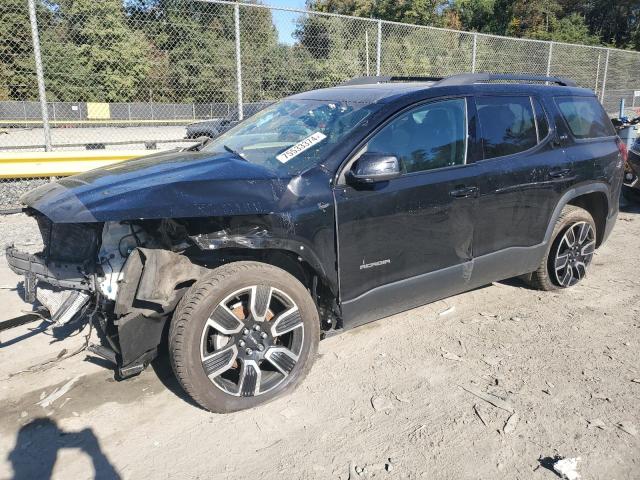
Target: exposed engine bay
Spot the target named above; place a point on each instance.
(131, 274)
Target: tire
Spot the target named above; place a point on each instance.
(243, 335)
(573, 222)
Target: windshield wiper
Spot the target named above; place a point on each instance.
(234, 152)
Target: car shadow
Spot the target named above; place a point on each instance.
(516, 282)
(162, 368)
(37, 446)
(57, 333)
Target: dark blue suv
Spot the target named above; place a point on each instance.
(327, 210)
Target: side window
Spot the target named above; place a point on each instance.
(507, 125)
(427, 137)
(585, 116)
(541, 119)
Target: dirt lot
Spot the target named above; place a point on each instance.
(567, 364)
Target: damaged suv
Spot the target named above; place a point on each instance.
(325, 211)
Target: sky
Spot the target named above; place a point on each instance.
(285, 21)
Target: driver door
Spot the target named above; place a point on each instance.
(407, 241)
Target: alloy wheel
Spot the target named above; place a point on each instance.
(574, 253)
(252, 341)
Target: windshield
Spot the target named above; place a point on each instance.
(292, 135)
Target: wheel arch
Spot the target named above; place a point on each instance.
(594, 198)
(301, 264)
(597, 204)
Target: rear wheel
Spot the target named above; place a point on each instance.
(570, 253)
(243, 335)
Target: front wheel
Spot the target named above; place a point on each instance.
(573, 244)
(243, 335)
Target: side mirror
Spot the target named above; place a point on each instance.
(373, 167)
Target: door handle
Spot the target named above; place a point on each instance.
(464, 192)
(560, 173)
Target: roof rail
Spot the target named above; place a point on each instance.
(367, 80)
(471, 78)
(462, 79)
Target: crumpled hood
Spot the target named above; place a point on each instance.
(165, 185)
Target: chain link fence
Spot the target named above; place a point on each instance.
(116, 74)
(132, 74)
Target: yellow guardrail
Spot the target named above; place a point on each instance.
(60, 164)
(99, 122)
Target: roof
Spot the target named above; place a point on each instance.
(365, 93)
(385, 89)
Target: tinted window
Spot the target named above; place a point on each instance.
(427, 137)
(585, 116)
(541, 120)
(506, 124)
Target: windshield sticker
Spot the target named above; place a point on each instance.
(300, 147)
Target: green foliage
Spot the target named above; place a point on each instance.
(90, 54)
(17, 67)
(423, 12)
(184, 50)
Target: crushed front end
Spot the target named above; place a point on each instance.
(125, 277)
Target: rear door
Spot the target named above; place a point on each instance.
(522, 175)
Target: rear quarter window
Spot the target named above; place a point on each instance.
(585, 117)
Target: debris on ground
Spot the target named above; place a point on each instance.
(597, 423)
(57, 393)
(492, 399)
(400, 398)
(380, 403)
(628, 427)
(389, 465)
(567, 468)
(477, 412)
(451, 356)
(510, 425)
(492, 361)
(448, 310)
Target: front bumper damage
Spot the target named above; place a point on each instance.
(60, 288)
(151, 284)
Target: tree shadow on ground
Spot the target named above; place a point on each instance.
(37, 446)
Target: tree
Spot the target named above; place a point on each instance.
(90, 54)
(423, 12)
(17, 65)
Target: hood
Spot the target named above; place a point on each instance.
(165, 185)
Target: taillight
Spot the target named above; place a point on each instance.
(622, 148)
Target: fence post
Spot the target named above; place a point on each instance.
(236, 20)
(366, 47)
(42, 93)
(379, 47)
(604, 77)
(549, 59)
(597, 73)
(473, 54)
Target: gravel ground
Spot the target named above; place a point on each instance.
(35, 136)
(12, 189)
(493, 383)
